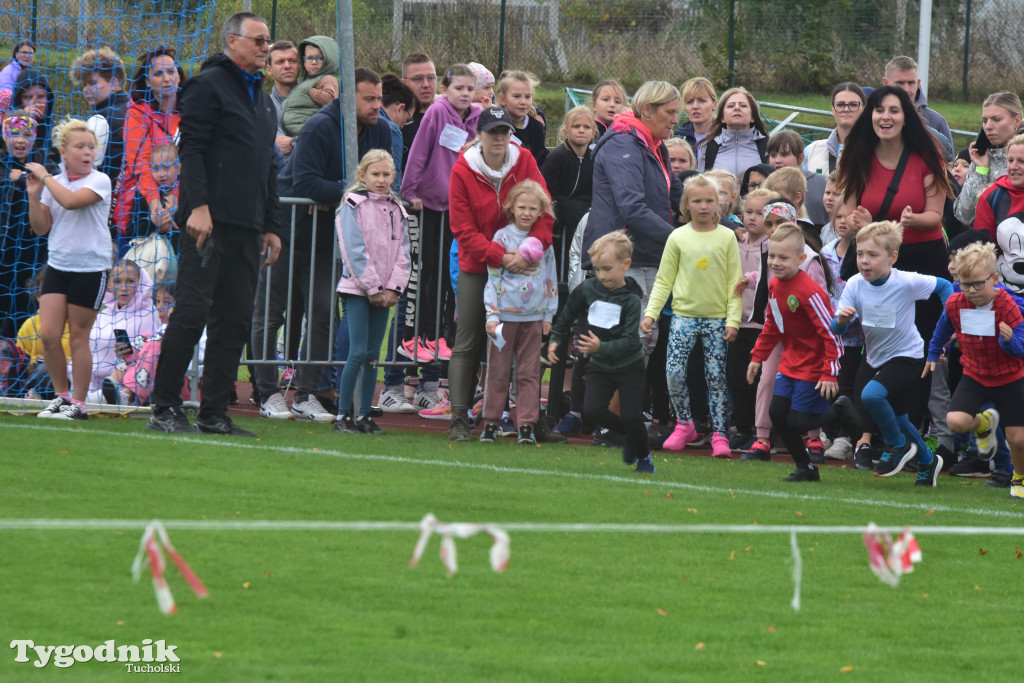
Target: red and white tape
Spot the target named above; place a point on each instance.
(890, 560)
(430, 525)
(152, 547)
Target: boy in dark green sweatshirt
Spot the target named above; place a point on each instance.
(612, 340)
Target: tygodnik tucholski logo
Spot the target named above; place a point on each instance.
(153, 656)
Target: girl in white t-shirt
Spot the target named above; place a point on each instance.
(72, 209)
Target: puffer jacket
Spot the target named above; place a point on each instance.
(299, 106)
(138, 318)
(630, 193)
(822, 156)
(735, 151)
(966, 203)
(373, 233)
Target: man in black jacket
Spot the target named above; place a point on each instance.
(229, 207)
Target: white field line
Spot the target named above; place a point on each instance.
(326, 525)
(217, 442)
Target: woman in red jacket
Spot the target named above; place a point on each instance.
(152, 120)
(483, 175)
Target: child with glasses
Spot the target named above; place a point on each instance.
(989, 329)
(319, 85)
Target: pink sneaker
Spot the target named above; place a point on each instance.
(443, 352)
(442, 411)
(683, 434)
(720, 446)
(416, 350)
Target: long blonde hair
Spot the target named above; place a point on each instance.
(372, 157)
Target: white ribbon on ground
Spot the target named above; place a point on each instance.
(429, 525)
(152, 546)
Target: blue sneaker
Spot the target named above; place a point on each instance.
(645, 466)
(927, 475)
(508, 427)
(893, 460)
(569, 425)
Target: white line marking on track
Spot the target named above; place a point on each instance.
(329, 525)
(217, 442)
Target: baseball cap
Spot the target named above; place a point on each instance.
(492, 117)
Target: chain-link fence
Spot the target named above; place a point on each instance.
(776, 45)
(769, 45)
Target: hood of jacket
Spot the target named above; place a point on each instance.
(475, 159)
(745, 136)
(328, 48)
(26, 79)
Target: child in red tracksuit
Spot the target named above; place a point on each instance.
(800, 317)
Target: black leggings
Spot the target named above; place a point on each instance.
(927, 258)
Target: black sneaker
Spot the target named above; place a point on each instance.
(846, 414)
(892, 461)
(607, 439)
(741, 443)
(346, 425)
(53, 410)
(948, 457)
(171, 419)
(928, 475)
(490, 433)
(971, 466)
(657, 433)
(367, 426)
(526, 435)
(222, 424)
(543, 434)
(460, 429)
(1000, 479)
(809, 473)
(71, 411)
(646, 466)
(864, 458)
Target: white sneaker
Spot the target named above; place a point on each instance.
(310, 409)
(394, 401)
(841, 449)
(53, 410)
(275, 408)
(426, 400)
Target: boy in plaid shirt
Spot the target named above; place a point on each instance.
(990, 331)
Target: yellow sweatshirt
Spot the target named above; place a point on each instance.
(700, 271)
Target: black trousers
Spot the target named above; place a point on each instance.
(744, 394)
(217, 295)
(629, 381)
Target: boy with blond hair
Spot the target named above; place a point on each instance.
(612, 341)
(883, 298)
(989, 329)
(800, 319)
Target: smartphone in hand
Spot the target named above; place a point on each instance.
(982, 144)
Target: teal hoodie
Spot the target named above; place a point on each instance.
(299, 106)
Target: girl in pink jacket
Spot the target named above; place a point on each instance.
(373, 233)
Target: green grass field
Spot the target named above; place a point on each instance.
(345, 605)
